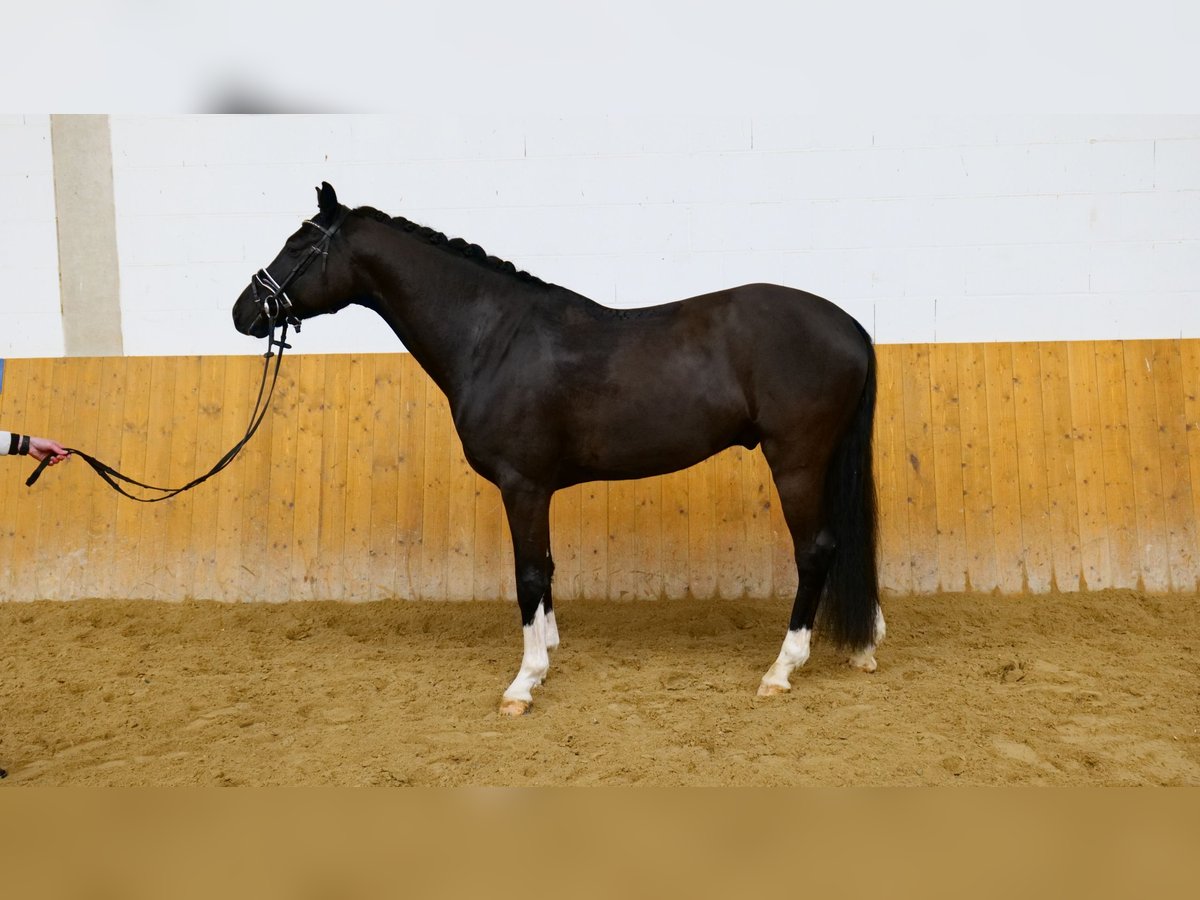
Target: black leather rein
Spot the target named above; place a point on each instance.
(277, 308)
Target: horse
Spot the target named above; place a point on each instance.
(549, 389)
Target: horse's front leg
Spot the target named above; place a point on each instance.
(528, 512)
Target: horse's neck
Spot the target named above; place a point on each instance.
(444, 311)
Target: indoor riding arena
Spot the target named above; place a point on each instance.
(338, 604)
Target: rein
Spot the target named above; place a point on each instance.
(278, 309)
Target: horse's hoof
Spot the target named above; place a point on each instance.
(770, 690)
(864, 663)
(509, 707)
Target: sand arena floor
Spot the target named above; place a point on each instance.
(1099, 689)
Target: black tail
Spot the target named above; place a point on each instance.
(852, 585)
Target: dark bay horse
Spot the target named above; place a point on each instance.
(549, 389)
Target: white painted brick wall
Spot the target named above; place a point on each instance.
(30, 311)
(950, 229)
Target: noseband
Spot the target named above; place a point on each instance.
(275, 302)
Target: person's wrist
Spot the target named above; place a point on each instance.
(24, 448)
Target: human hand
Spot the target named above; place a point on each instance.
(40, 448)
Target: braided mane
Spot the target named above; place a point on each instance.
(455, 246)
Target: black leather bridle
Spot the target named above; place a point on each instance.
(275, 302)
(279, 312)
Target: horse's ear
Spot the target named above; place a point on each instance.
(327, 200)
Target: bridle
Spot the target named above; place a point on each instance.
(275, 303)
(279, 311)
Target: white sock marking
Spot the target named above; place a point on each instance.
(535, 661)
(794, 653)
(551, 631)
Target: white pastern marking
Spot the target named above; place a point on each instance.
(794, 653)
(880, 626)
(551, 631)
(535, 661)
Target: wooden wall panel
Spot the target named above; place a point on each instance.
(891, 468)
(1000, 467)
(1175, 461)
(1032, 468)
(1061, 490)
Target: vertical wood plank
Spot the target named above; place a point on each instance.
(414, 387)
(178, 558)
(151, 553)
(978, 503)
(281, 486)
(489, 511)
(702, 564)
(105, 541)
(1190, 384)
(54, 500)
(921, 494)
(230, 574)
(675, 504)
(623, 578)
(1032, 467)
(1005, 468)
(256, 496)
(594, 566)
(891, 472)
(489, 538)
(39, 420)
(124, 568)
(1089, 466)
(306, 520)
(397, 409)
(334, 438)
(79, 521)
(1171, 384)
(460, 570)
(202, 535)
(756, 509)
(647, 526)
(14, 503)
(730, 538)
(356, 543)
(565, 546)
(948, 468)
(385, 454)
(1147, 480)
(436, 529)
(1061, 482)
(1118, 469)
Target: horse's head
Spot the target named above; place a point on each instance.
(306, 279)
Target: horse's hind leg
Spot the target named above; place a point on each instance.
(865, 658)
(801, 496)
(528, 512)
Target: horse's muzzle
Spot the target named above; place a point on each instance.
(248, 317)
